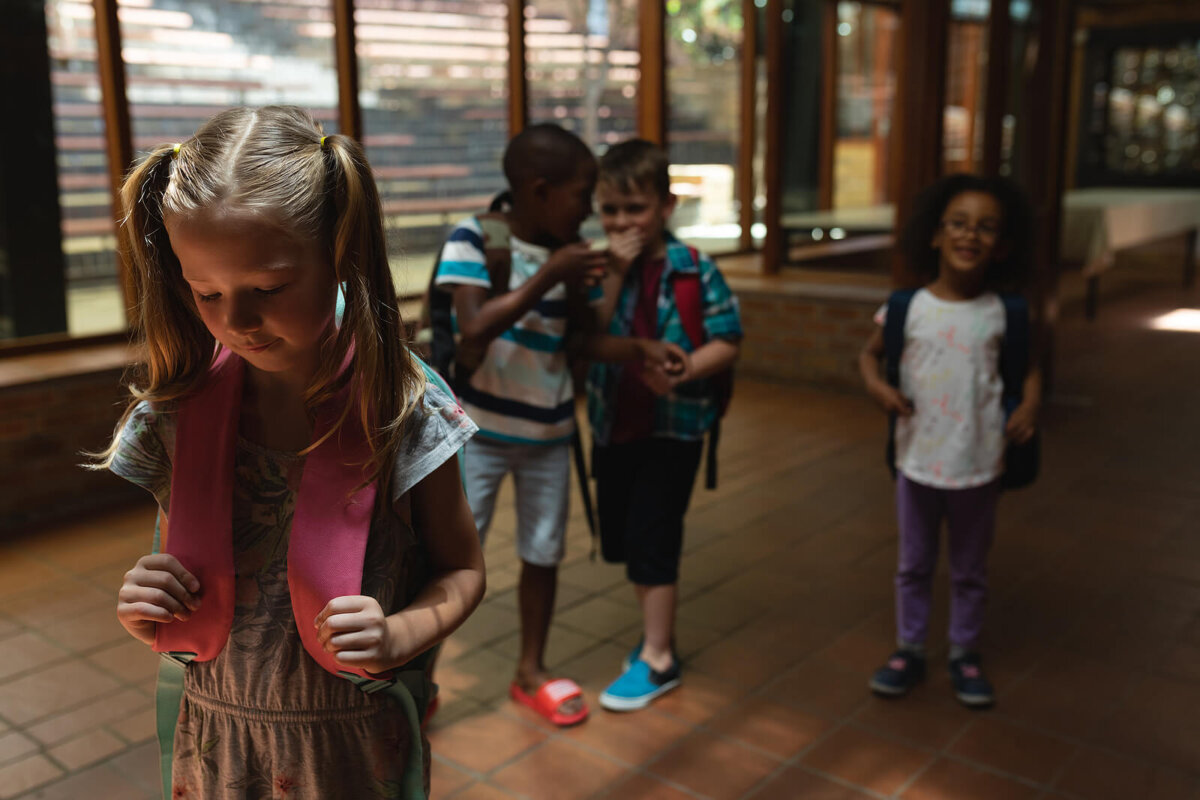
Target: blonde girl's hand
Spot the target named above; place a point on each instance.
(890, 399)
(1021, 423)
(354, 630)
(157, 590)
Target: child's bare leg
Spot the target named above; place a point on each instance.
(658, 621)
(535, 600)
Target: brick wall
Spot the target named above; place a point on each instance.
(45, 421)
(53, 406)
(810, 333)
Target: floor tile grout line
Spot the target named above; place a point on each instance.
(797, 761)
(938, 754)
(764, 689)
(560, 735)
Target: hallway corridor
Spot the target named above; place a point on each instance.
(1093, 637)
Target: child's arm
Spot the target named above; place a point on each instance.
(886, 395)
(480, 319)
(1023, 421)
(712, 358)
(608, 348)
(354, 627)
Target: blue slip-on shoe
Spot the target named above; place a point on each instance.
(903, 670)
(970, 686)
(632, 656)
(636, 653)
(638, 686)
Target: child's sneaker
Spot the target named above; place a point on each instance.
(904, 669)
(970, 686)
(638, 686)
(632, 656)
(636, 653)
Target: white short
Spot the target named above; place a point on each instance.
(542, 483)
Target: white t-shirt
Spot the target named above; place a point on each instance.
(950, 370)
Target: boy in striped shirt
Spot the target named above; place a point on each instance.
(519, 388)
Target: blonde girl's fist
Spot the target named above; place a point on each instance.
(354, 630)
(157, 590)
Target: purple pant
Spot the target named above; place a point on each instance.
(971, 521)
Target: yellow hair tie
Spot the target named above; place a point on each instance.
(175, 149)
(323, 138)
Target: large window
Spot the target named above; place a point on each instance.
(433, 100)
(866, 92)
(1141, 108)
(433, 91)
(704, 57)
(186, 61)
(183, 63)
(94, 300)
(582, 67)
(966, 85)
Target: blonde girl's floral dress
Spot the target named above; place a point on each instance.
(263, 720)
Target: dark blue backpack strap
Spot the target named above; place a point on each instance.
(1014, 350)
(1021, 461)
(893, 332)
(893, 349)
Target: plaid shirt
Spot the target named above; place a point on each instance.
(689, 411)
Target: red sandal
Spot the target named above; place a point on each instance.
(550, 697)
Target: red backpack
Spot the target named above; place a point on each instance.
(689, 301)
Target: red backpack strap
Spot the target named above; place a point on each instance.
(689, 303)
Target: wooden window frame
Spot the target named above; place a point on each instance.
(652, 117)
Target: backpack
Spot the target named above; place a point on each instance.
(1021, 461)
(689, 302)
(454, 363)
(444, 354)
(411, 688)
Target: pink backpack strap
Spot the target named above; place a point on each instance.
(200, 521)
(330, 524)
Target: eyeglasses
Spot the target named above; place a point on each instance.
(986, 231)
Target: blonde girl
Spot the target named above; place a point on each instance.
(317, 537)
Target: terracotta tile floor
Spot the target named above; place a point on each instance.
(1093, 641)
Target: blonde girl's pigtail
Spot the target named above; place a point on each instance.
(177, 346)
(159, 333)
(390, 381)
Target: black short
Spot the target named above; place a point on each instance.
(642, 492)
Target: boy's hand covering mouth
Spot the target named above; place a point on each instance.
(625, 247)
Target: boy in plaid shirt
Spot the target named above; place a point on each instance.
(649, 415)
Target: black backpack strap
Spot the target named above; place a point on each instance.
(1014, 350)
(893, 349)
(893, 333)
(440, 305)
(1022, 462)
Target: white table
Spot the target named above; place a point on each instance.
(1099, 222)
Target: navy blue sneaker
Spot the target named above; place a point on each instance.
(970, 686)
(904, 669)
(638, 686)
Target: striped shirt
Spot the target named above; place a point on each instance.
(521, 392)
